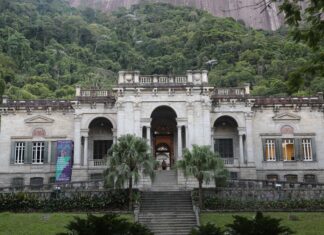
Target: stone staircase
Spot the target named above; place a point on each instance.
(166, 210)
(165, 181)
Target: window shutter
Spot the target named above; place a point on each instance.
(13, 152)
(278, 150)
(29, 152)
(313, 148)
(297, 149)
(264, 148)
(53, 152)
(45, 152)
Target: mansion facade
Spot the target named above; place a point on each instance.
(257, 137)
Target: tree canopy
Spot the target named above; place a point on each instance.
(47, 47)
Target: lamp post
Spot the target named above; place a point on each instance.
(210, 63)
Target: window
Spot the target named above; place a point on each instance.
(233, 175)
(310, 179)
(38, 152)
(36, 182)
(17, 182)
(307, 150)
(291, 178)
(224, 147)
(288, 151)
(272, 177)
(20, 149)
(270, 151)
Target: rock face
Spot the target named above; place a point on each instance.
(252, 12)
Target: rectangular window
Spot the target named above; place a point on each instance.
(307, 149)
(288, 149)
(270, 150)
(20, 149)
(38, 152)
(224, 147)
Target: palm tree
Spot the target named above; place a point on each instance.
(126, 161)
(203, 164)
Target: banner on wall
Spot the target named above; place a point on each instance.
(64, 156)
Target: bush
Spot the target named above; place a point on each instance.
(215, 203)
(207, 229)
(71, 201)
(260, 225)
(108, 224)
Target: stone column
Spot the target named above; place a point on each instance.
(249, 139)
(77, 141)
(212, 139)
(241, 148)
(114, 136)
(187, 137)
(179, 143)
(85, 150)
(148, 136)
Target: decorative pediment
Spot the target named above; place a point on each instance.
(286, 116)
(39, 119)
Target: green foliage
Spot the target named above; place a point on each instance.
(63, 46)
(207, 229)
(216, 203)
(106, 224)
(72, 201)
(203, 164)
(127, 160)
(260, 225)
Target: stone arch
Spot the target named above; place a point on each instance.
(100, 139)
(108, 117)
(226, 137)
(167, 107)
(164, 133)
(235, 120)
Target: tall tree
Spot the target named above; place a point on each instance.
(127, 160)
(203, 164)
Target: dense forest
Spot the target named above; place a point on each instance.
(47, 47)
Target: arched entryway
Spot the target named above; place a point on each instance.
(226, 139)
(100, 140)
(164, 135)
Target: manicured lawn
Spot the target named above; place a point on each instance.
(38, 223)
(308, 223)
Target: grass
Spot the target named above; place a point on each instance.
(38, 223)
(308, 223)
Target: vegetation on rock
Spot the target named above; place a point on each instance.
(47, 47)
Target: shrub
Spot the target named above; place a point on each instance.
(216, 203)
(260, 225)
(70, 201)
(108, 224)
(207, 229)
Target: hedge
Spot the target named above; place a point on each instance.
(215, 203)
(73, 201)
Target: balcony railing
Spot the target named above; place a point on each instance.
(98, 162)
(163, 79)
(228, 161)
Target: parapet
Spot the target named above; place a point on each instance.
(193, 77)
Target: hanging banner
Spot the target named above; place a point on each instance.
(64, 156)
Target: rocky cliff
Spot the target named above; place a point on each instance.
(252, 12)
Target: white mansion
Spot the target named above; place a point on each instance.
(257, 137)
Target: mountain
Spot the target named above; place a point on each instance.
(251, 12)
(47, 47)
